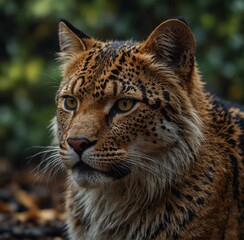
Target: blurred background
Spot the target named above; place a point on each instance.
(29, 73)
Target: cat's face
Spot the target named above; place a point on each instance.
(123, 111)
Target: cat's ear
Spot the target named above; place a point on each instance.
(172, 44)
(72, 41)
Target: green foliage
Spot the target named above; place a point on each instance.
(29, 74)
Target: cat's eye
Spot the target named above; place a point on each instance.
(125, 105)
(70, 103)
(122, 106)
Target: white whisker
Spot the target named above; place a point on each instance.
(50, 164)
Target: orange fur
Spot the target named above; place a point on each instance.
(171, 165)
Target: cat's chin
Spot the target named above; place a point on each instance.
(85, 176)
(90, 180)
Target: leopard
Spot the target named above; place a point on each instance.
(149, 153)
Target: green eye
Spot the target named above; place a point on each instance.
(70, 103)
(125, 105)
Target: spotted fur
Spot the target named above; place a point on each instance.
(171, 167)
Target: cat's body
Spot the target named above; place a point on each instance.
(149, 153)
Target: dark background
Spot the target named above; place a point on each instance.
(29, 73)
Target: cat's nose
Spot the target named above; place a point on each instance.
(80, 144)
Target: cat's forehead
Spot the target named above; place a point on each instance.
(105, 65)
(104, 57)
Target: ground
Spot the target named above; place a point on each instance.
(30, 208)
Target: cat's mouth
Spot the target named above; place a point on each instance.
(83, 167)
(117, 171)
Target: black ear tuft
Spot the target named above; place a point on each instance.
(75, 30)
(182, 20)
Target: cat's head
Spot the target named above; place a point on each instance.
(125, 110)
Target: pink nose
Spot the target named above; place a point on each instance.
(79, 145)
